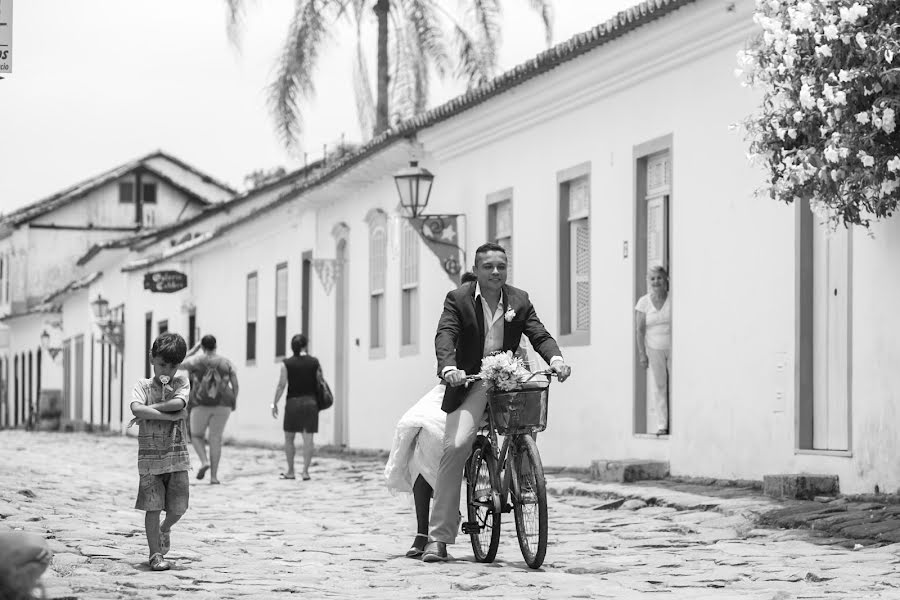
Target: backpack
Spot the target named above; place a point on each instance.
(213, 389)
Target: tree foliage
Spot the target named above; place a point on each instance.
(426, 39)
(829, 71)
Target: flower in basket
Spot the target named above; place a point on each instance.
(501, 370)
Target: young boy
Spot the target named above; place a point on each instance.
(158, 405)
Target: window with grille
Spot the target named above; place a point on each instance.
(409, 286)
(377, 278)
(500, 225)
(575, 254)
(281, 305)
(126, 192)
(252, 309)
(149, 193)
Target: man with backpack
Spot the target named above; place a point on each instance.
(214, 390)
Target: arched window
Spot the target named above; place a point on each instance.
(377, 220)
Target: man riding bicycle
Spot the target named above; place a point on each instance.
(478, 319)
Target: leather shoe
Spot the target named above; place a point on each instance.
(435, 552)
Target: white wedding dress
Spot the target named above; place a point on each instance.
(418, 443)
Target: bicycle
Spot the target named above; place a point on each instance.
(509, 478)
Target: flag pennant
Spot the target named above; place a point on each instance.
(441, 234)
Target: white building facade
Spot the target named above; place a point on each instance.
(598, 158)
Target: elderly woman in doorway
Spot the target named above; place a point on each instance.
(300, 374)
(654, 340)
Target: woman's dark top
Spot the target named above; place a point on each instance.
(302, 375)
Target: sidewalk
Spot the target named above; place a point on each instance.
(845, 521)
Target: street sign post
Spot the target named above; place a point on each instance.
(5, 36)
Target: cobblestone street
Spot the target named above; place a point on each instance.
(342, 535)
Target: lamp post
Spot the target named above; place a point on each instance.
(414, 186)
(45, 344)
(100, 306)
(111, 331)
(439, 232)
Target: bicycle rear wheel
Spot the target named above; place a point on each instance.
(530, 501)
(482, 502)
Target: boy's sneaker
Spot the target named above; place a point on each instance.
(158, 563)
(165, 541)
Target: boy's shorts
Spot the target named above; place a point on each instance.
(166, 491)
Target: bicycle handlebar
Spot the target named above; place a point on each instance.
(546, 372)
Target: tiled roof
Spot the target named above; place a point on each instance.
(72, 193)
(608, 31)
(50, 303)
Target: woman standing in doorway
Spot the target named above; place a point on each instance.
(300, 374)
(654, 340)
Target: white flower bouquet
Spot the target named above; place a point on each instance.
(502, 371)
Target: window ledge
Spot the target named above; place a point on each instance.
(375, 353)
(835, 453)
(580, 338)
(250, 363)
(651, 436)
(409, 350)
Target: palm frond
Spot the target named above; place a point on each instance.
(471, 65)
(545, 9)
(362, 85)
(487, 16)
(294, 79)
(235, 20)
(425, 28)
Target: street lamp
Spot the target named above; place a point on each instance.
(440, 232)
(100, 306)
(112, 332)
(45, 344)
(414, 186)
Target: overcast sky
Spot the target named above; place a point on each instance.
(96, 83)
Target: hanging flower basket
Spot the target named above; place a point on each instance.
(826, 130)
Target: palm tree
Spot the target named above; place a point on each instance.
(415, 39)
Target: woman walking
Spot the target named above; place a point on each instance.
(300, 374)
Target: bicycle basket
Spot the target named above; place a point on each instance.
(523, 410)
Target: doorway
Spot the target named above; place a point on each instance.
(341, 298)
(652, 247)
(824, 330)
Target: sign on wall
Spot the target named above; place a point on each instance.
(165, 282)
(5, 36)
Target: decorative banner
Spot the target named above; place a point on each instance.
(441, 235)
(165, 282)
(328, 270)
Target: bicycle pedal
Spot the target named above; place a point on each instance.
(470, 527)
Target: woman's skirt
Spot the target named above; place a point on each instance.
(418, 443)
(301, 414)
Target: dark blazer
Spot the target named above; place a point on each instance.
(459, 341)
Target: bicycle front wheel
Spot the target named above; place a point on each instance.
(530, 501)
(482, 501)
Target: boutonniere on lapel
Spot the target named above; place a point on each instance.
(510, 314)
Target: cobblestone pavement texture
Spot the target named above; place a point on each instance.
(342, 535)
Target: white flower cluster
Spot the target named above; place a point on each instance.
(826, 128)
(502, 370)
